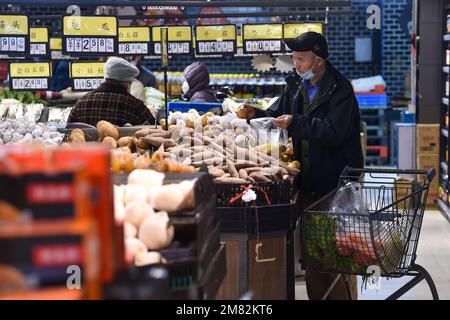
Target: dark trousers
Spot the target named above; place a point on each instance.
(317, 283)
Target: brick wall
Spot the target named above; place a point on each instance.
(396, 62)
(341, 31)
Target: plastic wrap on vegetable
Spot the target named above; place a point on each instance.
(56, 115)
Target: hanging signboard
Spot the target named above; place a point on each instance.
(29, 75)
(14, 35)
(179, 40)
(89, 36)
(56, 50)
(134, 40)
(215, 39)
(262, 38)
(293, 30)
(39, 43)
(86, 76)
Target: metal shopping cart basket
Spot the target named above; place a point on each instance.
(381, 238)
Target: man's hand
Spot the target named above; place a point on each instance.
(283, 122)
(246, 112)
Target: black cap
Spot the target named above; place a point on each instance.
(309, 41)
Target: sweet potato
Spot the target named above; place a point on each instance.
(146, 131)
(245, 164)
(231, 180)
(259, 177)
(216, 173)
(243, 174)
(232, 170)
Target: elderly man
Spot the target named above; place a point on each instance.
(111, 101)
(319, 109)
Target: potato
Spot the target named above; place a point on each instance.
(110, 142)
(125, 142)
(77, 136)
(106, 129)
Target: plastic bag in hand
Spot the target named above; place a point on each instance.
(268, 132)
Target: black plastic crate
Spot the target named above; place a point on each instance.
(278, 193)
(270, 218)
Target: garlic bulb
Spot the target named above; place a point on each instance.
(136, 212)
(156, 232)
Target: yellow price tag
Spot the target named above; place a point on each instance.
(38, 35)
(55, 44)
(176, 34)
(239, 41)
(215, 33)
(14, 25)
(134, 34)
(263, 31)
(30, 70)
(293, 30)
(87, 69)
(89, 26)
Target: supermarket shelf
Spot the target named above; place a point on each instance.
(445, 100)
(446, 69)
(447, 37)
(444, 166)
(376, 128)
(444, 132)
(445, 210)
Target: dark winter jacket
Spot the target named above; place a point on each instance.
(331, 130)
(197, 76)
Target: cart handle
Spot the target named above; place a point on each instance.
(429, 173)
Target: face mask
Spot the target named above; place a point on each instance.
(308, 75)
(185, 87)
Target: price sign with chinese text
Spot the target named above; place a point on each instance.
(89, 36)
(14, 35)
(215, 39)
(86, 76)
(262, 38)
(179, 40)
(30, 75)
(39, 44)
(134, 40)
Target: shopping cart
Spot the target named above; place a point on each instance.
(383, 239)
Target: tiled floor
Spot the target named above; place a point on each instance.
(433, 254)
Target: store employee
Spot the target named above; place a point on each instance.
(319, 109)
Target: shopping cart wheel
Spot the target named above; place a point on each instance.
(420, 274)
